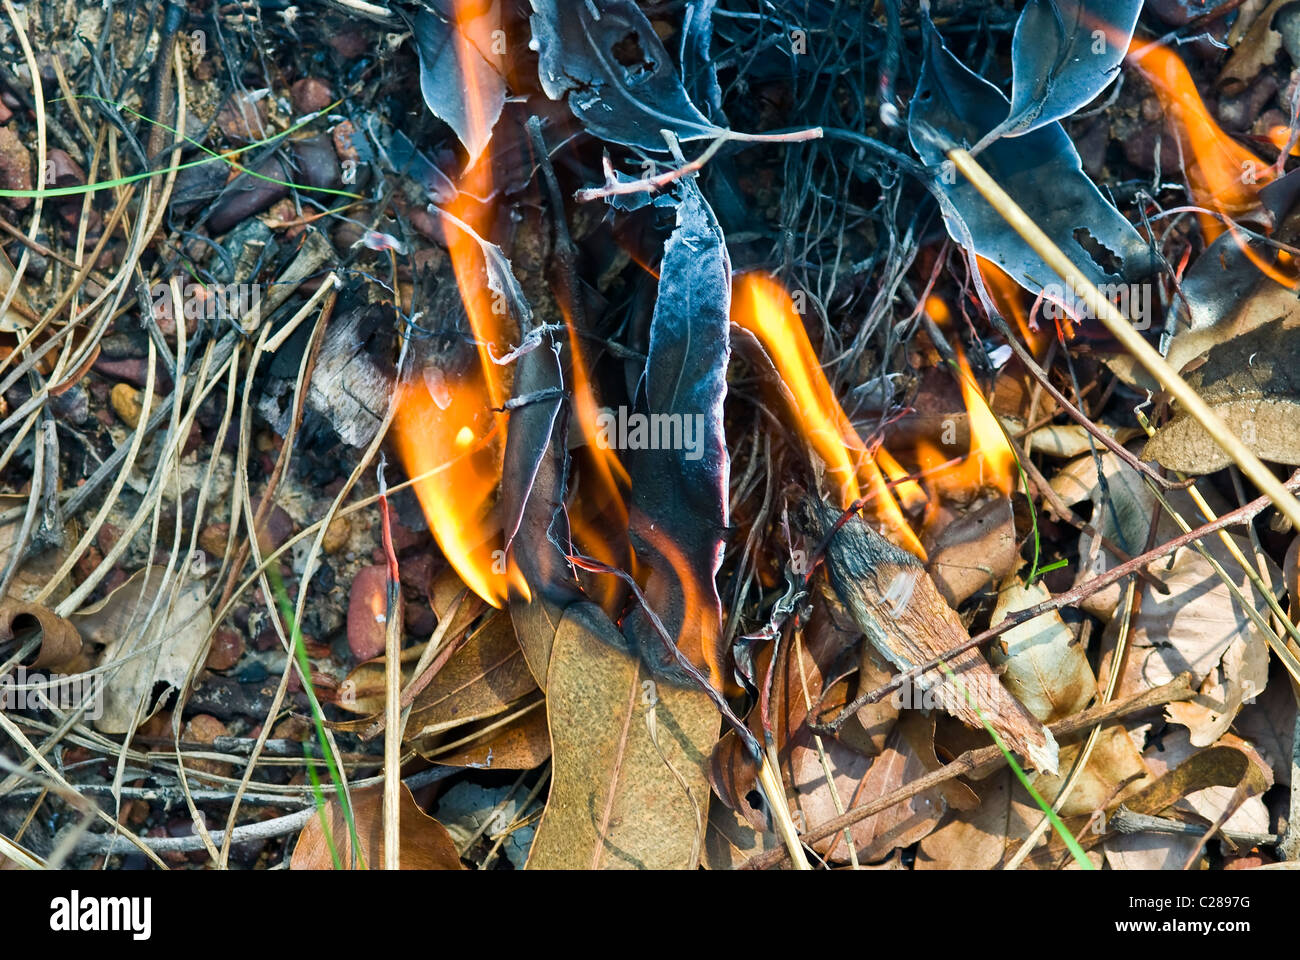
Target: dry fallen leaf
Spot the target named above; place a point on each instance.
(859, 779)
(162, 655)
(1253, 383)
(423, 843)
(1040, 662)
(1189, 628)
(628, 789)
(515, 740)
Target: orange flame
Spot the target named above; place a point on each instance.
(1222, 174)
(1279, 136)
(763, 307)
(1009, 299)
(599, 506)
(456, 433)
(991, 463)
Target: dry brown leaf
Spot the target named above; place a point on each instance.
(858, 779)
(1238, 679)
(164, 654)
(1256, 51)
(1189, 628)
(423, 843)
(1125, 519)
(1253, 383)
(59, 640)
(1268, 725)
(975, 551)
(731, 840)
(1071, 439)
(628, 789)
(480, 680)
(1040, 662)
(1195, 781)
(516, 740)
(1114, 773)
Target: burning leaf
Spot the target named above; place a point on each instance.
(1040, 170)
(607, 59)
(1253, 383)
(1225, 294)
(777, 343)
(1063, 54)
(680, 477)
(1041, 664)
(895, 603)
(139, 659)
(458, 80)
(628, 788)
(423, 843)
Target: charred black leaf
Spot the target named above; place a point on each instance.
(1063, 54)
(452, 58)
(605, 56)
(1040, 170)
(532, 497)
(679, 463)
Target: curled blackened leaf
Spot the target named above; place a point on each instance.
(542, 583)
(457, 78)
(605, 56)
(1063, 54)
(699, 75)
(675, 448)
(1040, 170)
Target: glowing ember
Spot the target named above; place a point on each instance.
(762, 306)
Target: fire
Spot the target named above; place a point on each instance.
(599, 507)
(454, 428)
(991, 463)
(1009, 299)
(763, 307)
(1279, 137)
(1223, 175)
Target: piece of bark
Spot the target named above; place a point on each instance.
(895, 603)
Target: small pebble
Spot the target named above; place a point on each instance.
(126, 403)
